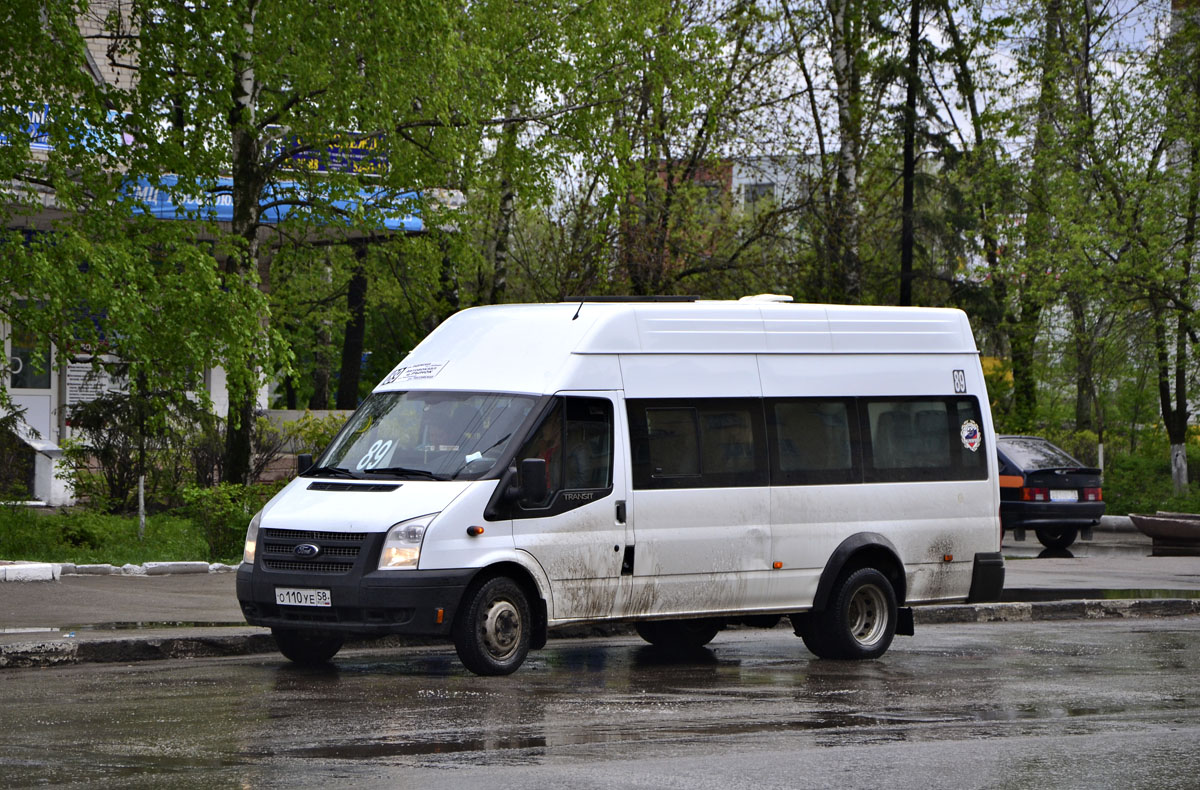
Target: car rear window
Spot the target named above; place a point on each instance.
(1029, 453)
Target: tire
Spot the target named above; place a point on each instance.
(859, 622)
(1057, 537)
(492, 631)
(307, 648)
(678, 634)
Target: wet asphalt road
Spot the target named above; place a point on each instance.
(1079, 704)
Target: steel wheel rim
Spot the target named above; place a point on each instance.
(867, 615)
(501, 629)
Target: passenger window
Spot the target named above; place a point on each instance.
(914, 439)
(575, 441)
(588, 455)
(813, 441)
(674, 442)
(705, 443)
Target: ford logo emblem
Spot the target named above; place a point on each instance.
(307, 550)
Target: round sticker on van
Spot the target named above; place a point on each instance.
(971, 437)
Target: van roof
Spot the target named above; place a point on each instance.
(537, 340)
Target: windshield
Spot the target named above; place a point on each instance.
(426, 435)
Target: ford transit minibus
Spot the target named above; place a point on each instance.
(681, 465)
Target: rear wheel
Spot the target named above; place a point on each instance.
(492, 632)
(307, 648)
(859, 621)
(1057, 537)
(678, 634)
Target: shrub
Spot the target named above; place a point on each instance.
(223, 513)
(311, 434)
(115, 434)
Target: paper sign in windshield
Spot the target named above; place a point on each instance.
(415, 372)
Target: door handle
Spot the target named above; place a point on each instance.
(621, 512)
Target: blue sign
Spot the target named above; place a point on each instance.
(37, 131)
(163, 201)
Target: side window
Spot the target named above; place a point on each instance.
(813, 441)
(673, 442)
(703, 443)
(972, 460)
(575, 440)
(546, 444)
(587, 460)
(913, 439)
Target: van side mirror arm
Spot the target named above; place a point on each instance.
(528, 483)
(507, 490)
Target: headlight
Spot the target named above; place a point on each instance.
(251, 539)
(402, 546)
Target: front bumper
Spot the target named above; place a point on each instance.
(376, 603)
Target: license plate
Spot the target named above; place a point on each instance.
(294, 596)
(1059, 495)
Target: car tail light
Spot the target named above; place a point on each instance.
(1035, 494)
(1093, 494)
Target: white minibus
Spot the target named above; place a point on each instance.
(677, 464)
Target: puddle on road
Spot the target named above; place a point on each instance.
(831, 721)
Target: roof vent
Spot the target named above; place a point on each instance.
(766, 298)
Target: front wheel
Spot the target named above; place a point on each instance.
(859, 621)
(1057, 537)
(306, 648)
(492, 631)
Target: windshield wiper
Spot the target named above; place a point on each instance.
(499, 442)
(329, 471)
(403, 471)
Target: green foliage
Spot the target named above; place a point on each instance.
(223, 513)
(16, 457)
(311, 434)
(83, 537)
(1142, 483)
(119, 437)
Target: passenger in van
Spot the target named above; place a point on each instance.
(546, 444)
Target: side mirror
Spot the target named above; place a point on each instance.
(304, 462)
(533, 486)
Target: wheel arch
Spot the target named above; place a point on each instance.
(862, 550)
(528, 584)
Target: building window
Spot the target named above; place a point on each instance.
(752, 194)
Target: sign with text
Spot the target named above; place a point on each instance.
(361, 155)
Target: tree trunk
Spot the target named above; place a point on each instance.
(1085, 353)
(844, 225)
(1022, 334)
(504, 215)
(322, 352)
(352, 342)
(249, 179)
(907, 231)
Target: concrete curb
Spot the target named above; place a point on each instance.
(1056, 610)
(52, 571)
(69, 651)
(30, 572)
(75, 651)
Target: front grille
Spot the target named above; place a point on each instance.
(339, 550)
(306, 536)
(307, 567)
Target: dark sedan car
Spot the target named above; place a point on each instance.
(1045, 490)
